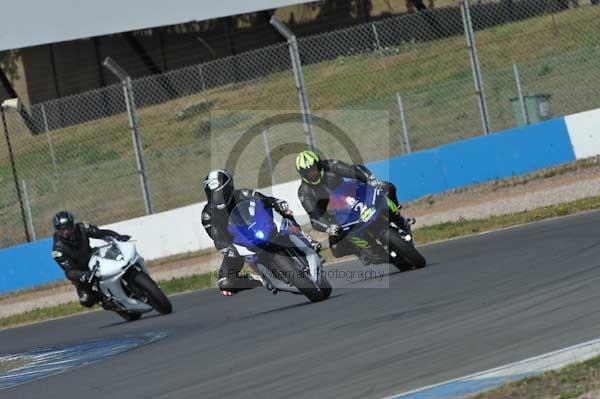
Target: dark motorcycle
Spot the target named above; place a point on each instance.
(363, 212)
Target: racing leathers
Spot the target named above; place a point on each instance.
(315, 199)
(215, 222)
(73, 255)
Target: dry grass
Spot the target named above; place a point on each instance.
(570, 382)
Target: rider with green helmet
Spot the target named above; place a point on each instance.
(320, 177)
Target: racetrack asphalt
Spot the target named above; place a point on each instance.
(484, 301)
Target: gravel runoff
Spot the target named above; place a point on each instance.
(590, 395)
(517, 203)
(507, 201)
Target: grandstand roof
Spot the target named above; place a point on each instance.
(25, 24)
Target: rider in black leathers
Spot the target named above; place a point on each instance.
(222, 197)
(319, 178)
(71, 250)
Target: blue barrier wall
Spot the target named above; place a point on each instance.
(484, 158)
(498, 155)
(28, 265)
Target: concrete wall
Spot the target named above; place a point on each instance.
(504, 154)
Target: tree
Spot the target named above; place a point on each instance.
(342, 9)
(8, 62)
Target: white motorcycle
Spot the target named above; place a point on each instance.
(120, 275)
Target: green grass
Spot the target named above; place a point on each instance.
(42, 314)
(423, 235)
(559, 54)
(569, 382)
(184, 284)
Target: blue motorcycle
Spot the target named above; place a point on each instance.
(363, 212)
(284, 259)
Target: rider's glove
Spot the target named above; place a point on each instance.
(123, 237)
(374, 182)
(333, 230)
(283, 207)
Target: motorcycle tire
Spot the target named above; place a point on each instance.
(129, 316)
(156, 298)
(407, 255)
(301, 280)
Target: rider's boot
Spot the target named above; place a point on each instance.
(231, 286)
(253, 263)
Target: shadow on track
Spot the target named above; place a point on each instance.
(296, 305)
(395, 272)
(123, 322)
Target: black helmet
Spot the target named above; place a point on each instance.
(64, 224)
(218, 186)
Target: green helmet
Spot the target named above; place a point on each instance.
(309, 168)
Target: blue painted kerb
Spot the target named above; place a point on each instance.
(28, 265)
(461, 388)
(480, 159)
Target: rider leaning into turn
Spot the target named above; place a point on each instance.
(71, 250)
(222, 197)
(320, 177)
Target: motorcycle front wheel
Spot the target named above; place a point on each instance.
(407, 256)
(295, 274)
(156, 298)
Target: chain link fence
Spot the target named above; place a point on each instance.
(78, 153)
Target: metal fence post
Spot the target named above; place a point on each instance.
(269, 158)
(14, 172)
(133, 123)
(298, 76)
(520, 92)
(475, 67)
(377, 43)
(201, 77)
(28, 208)
(404, 125)
(51, 148)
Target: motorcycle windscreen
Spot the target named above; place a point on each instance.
(111, 252)
(354, 202)
(251, 223)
